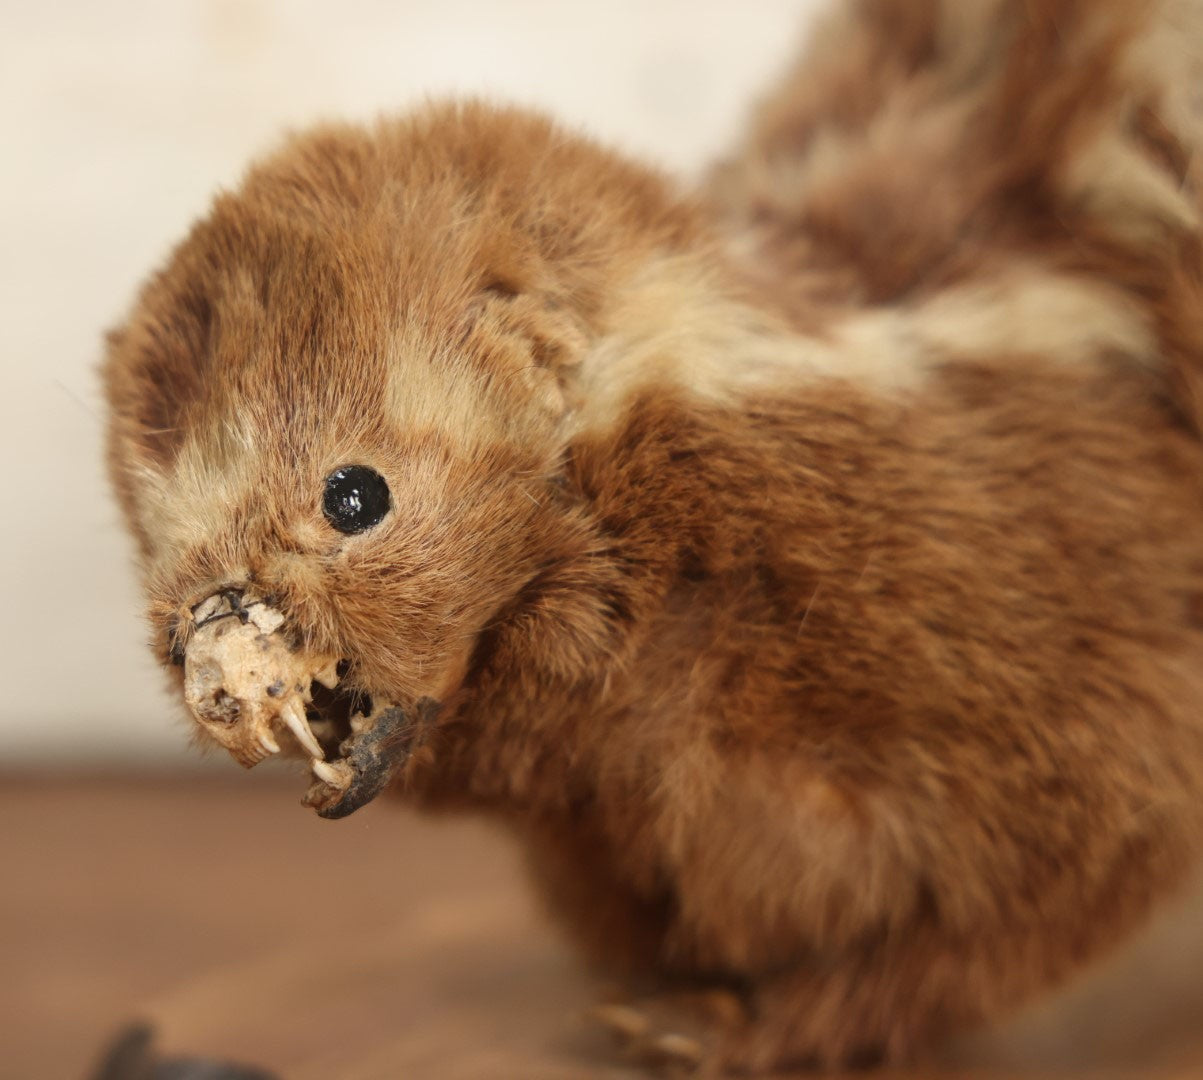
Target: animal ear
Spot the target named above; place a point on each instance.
(554, 336)
(529, 334)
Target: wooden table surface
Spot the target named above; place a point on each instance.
(386, 946)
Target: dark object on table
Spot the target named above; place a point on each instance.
(131, 1056)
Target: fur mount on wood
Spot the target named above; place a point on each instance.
(807, 567)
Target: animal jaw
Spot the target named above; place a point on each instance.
(248, 684)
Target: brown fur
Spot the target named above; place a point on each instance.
(810, 570)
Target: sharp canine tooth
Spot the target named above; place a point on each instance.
(323, 770)
(268, 743)
(328, 676)
(299, 726)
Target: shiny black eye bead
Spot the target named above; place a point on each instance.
(356, 498)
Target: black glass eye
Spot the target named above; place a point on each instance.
(356, 498)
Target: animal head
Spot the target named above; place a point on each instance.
(346, 397)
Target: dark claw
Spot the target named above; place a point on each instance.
(131, 1057)
(376, 755)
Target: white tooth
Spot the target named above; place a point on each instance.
(268, 743)
(323, 770)
(359, 723)
(328, 676)
(299, 726)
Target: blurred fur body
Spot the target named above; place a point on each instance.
(809, 568)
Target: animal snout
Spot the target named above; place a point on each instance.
(237, 672)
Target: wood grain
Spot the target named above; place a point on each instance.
(383, 946)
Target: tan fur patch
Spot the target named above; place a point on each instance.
(671, 327)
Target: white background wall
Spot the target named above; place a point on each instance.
(121, 118)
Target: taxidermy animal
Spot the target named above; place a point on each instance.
(807, 567)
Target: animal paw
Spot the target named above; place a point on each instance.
(674, 1034)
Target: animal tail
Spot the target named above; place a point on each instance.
(921, 143)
